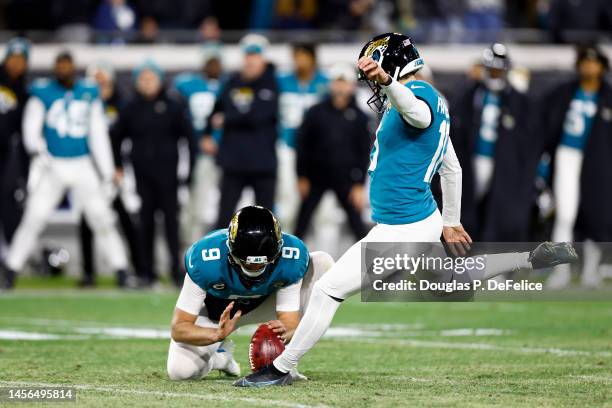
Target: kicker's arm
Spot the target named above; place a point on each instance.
(414, 110)
(451, 179)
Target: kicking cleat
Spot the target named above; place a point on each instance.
(549, 254)
(231, 367)
(264, 378)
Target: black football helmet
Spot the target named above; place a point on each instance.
(396, 55)
(255, 243)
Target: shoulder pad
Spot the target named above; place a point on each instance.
(183, 77)
(295, 256)
(205, 258)
(88, 85)
(39, 85)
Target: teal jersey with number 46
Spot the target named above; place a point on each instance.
(404, 159)
(208, 267)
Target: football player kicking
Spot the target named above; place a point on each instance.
(248, 273)
(412, 144)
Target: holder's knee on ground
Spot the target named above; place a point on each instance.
(188, 362)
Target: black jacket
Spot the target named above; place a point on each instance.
(250, 129)
(503, 214)
(154, 127)
(333, 143)
(594, 213)
(14, 96)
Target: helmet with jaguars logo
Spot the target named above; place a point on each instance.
(397, 55)
(255, 242)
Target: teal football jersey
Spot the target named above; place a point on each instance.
(295, 99)
(200, 95)
(404, 159)
(67, 115)
(579, 119)
(208, 267)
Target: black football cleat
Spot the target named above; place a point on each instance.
(7, 278)
(549, 254)
(264, 378)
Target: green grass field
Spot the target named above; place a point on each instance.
(477, 354)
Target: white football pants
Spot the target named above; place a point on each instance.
(204, 197)
(344, 280)
(287, 196)
(186, 361)
(50, 178)
(566, 190)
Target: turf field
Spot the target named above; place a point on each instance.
(112, 346)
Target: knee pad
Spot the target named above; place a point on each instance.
(187, 362)
(185, 370)
(321, 261)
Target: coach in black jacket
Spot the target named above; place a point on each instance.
(155, 123)
(500, 212)
(13, 158)
(247, 111)
(594, 217)
(333, 145)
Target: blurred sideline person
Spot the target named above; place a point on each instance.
(248, 273)
(333, 145)
(104, 75)
(65, 131)
(13, 157)
(299, 90)
(247, 111)
(155, 123)
(576, 125)
(491, 131)
(199, 90)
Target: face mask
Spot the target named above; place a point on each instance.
(494, 84)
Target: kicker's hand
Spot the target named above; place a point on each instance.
(226, 324)
(458, 239)
(373, 71)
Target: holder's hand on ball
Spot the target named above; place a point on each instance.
(279, 328)
(226, 324)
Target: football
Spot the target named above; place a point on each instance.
(264, 348)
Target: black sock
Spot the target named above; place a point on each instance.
(275, 370)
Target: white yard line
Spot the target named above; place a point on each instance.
(23, 335)
(68, 323)
(111, 388)
(486, 347)
(353, 332)
(594, 378)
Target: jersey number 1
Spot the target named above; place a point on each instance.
(436, 160)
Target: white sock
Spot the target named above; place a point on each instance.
(497, 264)
(314, 324)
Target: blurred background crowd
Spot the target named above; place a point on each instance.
(294, 135)
(147, 21)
